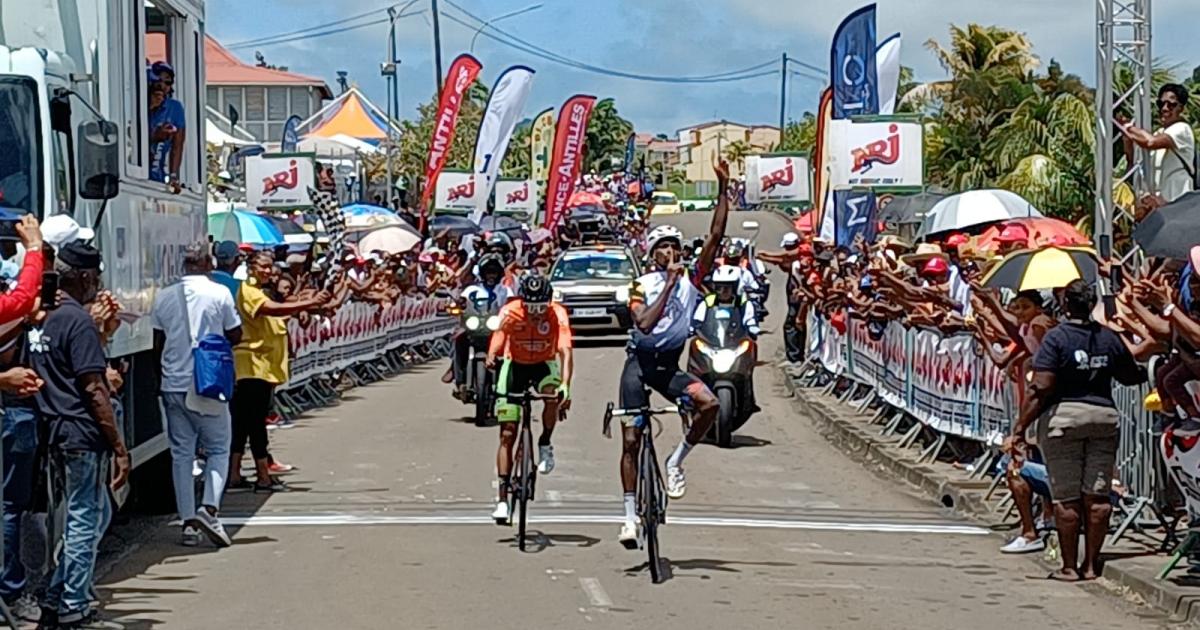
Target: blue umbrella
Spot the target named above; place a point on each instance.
(365, 216)
(241, 226)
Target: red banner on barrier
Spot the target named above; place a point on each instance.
(569, 140)
(458, 80)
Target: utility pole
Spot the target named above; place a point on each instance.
(388, 70)
(782, 96)
(395, 113)
(437, 48)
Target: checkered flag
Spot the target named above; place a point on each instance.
(329, 211)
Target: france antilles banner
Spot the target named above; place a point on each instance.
(458, 80)
(854, 215)
(569, 139)
(504, 108)
(852, 66)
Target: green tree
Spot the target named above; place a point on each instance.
(607, 134)
(516, 161)
(736, 152)
(415, 136)
(800, 135)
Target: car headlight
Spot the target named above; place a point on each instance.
(472, 323)
(558, 295)
(493, 322)
(623, 295)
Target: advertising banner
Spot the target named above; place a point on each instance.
(541, 144)
(854, 215)
(569, 139)
(852, 66)
(887, 67)
(504, 109)
(778, 178)
(516, 196)
(456, 192)
(876, 153)
(461, 75)
(280, 180)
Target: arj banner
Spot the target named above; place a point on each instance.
(462, 74)
(504, 108)
(280, 181)
(778, 178)
(457, 191)
(853, 73)
(569, 140)
(516, 196)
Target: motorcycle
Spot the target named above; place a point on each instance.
(479, 319)
(722, 355)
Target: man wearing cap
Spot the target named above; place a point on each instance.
(168, 131)
(64, 347)
(184, 314)
(229, 258)
(60, 229)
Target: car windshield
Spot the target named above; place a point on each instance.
(20, 188)
(663, 198)
(593, 266)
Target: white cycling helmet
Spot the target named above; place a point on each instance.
(662, 233)
(727, 274)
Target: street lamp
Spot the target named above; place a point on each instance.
(532, 7)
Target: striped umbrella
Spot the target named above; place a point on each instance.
(1046, 268)
(245, 227)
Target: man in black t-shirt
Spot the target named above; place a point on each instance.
(1073, 376)
(64, 347)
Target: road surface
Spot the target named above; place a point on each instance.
(389, 528)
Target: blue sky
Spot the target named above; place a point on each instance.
(662, 37)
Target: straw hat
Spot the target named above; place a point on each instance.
(925, 251)
(892, 241)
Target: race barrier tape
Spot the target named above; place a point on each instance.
(361, 332)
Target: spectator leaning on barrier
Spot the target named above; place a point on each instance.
(1073, 373)
(184, 314)
(66, 350)
(261, 362)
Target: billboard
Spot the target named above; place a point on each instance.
(456, 191)
(516, 196)
(779, 178)
(280, 180)
(876, 153)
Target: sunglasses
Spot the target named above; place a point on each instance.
(1167, 104)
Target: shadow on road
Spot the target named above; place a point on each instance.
(702, 565)
(748, 441)
(537, 541)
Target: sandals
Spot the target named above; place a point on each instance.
(276, 485)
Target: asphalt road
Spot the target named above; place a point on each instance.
(389, 528)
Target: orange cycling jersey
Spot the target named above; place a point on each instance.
(529, 340)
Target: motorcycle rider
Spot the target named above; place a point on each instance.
(728, 292)
(490, 272)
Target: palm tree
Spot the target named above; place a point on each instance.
(736, 152)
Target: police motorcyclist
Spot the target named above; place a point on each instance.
(490, 287)
(729, 292)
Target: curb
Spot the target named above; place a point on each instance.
(846, 430)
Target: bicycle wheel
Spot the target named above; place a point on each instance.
(526, 486)
(651, 514)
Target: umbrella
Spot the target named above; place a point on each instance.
(500, 224)
(976, 207)
(1172, 230)
(362, 216)
(909, 209)
(393, 239)
(293, 234)
(241, 226)
(455, 225)
(584, 198)
(804, 224)
(1041, 232)
(540, 234)
(1046, 268)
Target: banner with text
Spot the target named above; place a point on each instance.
(505, 106)
(280, 181)
(516, 196)
(778, 178)
(853, 73)
(854, 215)
(883, 153)
(569, 139)
(460, 77)
(541, 144)
(457, 192)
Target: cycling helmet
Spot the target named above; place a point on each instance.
(535, 289)
(662, 233)
(735, 250)
(727, 274)
(498, 241)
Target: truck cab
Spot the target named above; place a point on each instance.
(75, 124)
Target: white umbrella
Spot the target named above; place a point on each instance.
(976, 207)
(393, 240)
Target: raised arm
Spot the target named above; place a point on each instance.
(716, 231)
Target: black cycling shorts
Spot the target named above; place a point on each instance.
(658, 371)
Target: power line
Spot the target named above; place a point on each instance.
(542, 53)
(321, 30)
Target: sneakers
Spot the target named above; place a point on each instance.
(278, 468)
(676, 482)
(190, 536)
(91, 621)
(501, 514)
(241, 485)
(26, 608)
(545, 459)
(629, 535)
(213, 528)
(1021, 544)
(273, 485)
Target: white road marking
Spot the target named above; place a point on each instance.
(595, 592)
(318, 520)
(554, 497)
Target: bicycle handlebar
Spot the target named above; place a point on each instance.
(613, 412)
(531, 396)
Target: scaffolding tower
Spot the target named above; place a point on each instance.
(1123, 51)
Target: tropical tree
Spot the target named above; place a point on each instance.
(516, 161)
(800, 135)
(413, 150)
(607, 135)
(736, 152)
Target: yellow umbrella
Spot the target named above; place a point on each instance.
(1044, 268)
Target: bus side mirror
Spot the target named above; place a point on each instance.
(99, 159)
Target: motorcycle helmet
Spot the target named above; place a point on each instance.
(727, 275)
(535, 289)
(735, 250)
(491, 262)
(498, 242)
(663, 233)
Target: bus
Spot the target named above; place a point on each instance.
(74, 124)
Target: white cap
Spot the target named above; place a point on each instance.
(789, 239)
(60, 229)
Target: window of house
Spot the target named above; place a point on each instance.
(256, 104)
(233, 96)
(213, 98)
(301, 102)
(277, 103)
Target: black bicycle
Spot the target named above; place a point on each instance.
(524, 476)
(651, 491)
